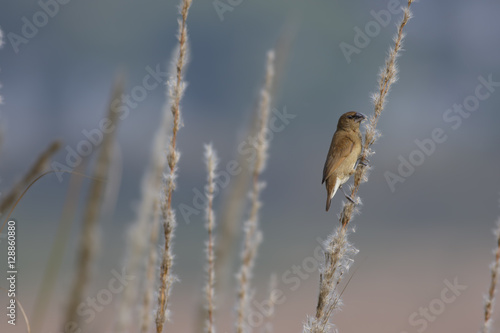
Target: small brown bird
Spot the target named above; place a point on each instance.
(343, 154)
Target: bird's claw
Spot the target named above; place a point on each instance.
(347, 196)
(350, 199)
(364, 162)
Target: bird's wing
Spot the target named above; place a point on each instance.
(339, 150)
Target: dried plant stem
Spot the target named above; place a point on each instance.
(143, 233)
(139, 241)
(253, 235)
(490, 297)
(1, 98)
(237, 191)
(388, 76)
(58, 249)
(211, 161)
(176, 90)
(150, 270)
(338, 250)
(338, 254)
(233, 205)
(36, 170)
(89, 234)
(235, 195)
(230, 217)
(271, 302)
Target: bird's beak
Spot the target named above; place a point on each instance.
(360, 117)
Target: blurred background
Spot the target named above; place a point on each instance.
(433, 226)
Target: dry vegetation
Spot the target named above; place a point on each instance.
(156, 213)
(338, 250)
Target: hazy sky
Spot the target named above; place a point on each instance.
(441, 158)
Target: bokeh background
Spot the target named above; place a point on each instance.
(434, 226)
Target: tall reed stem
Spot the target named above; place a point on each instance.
(253, 235)
(338, 250)
(90, 233)
(176, 89)
(490, 297)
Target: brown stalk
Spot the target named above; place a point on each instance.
(169, 223)
(57, 251)
(339, 251)
(89, 234)
(150, 270)
(36, 169)
(388, 76)
(253, 235)
(211, 161)
(490, 297)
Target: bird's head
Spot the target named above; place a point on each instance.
(351, 120)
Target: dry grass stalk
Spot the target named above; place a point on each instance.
(234, 200)
(1, 98)
(253, 235)
(271, 301)
(387, 77)
(176, 89)
(143, 234)
(89, 234)
(211, 161)
(36, 170)
(338, 250)
(150, 271)
(230, 217)
(58, 250)
(490, 297)
(338, 254)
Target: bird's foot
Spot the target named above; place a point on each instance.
(350, 199)
(364, 162)
(347, 196)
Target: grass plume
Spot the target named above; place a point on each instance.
(271, 302)
(38, 167)
(58, 250)
(89, 234)
(150, 270)
(143, 234)
(489, 303)
(211, 161)
(1, 98)
(253, 236)
(338, 250)
(387, 77)
(176, 86)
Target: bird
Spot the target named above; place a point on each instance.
(343, 155)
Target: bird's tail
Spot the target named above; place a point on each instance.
(332, 185)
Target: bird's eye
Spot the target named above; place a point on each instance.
(350, 117)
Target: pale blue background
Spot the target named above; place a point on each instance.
(59, 84)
